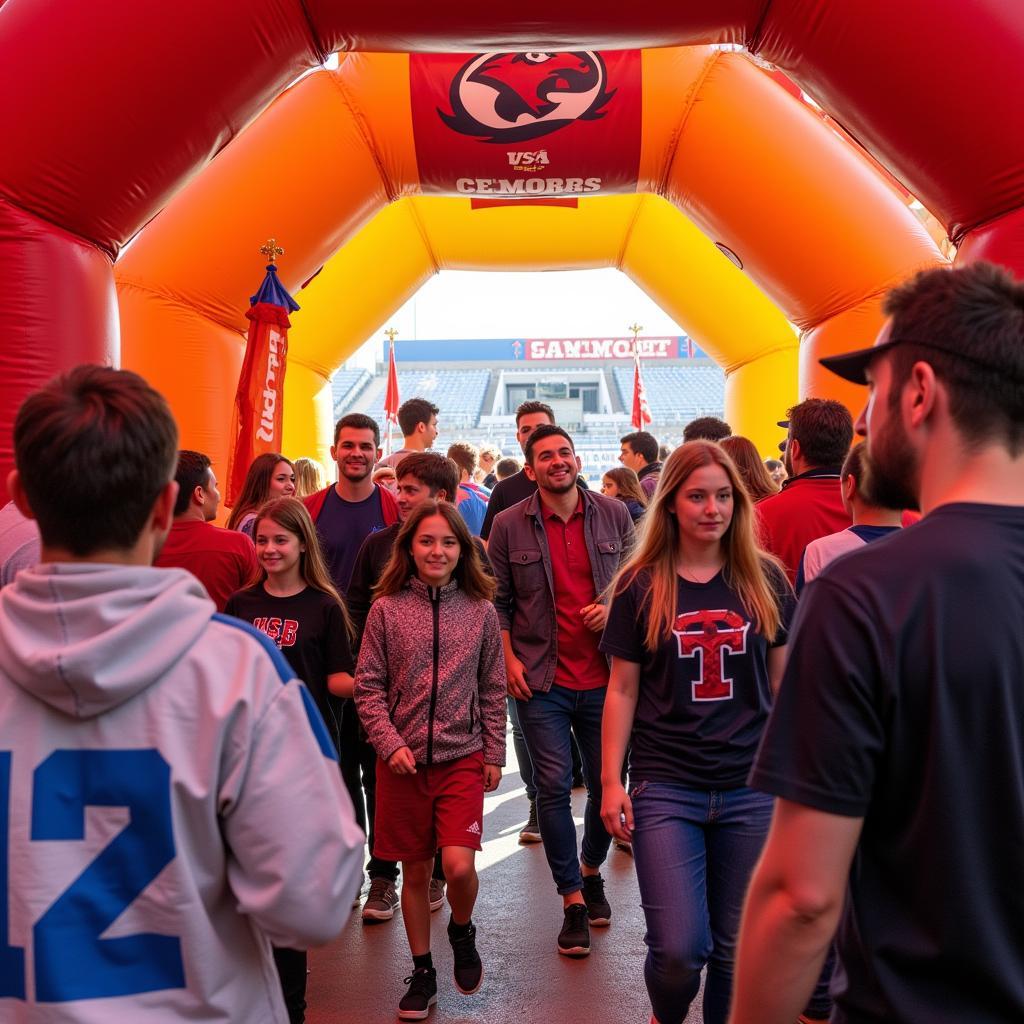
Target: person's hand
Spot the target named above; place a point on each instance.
(401, 762)
(594, 617)
(492, 776)
(515, 670)
(617, 812)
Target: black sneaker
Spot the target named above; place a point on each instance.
(530, 832)
(382, 900)
(469, 971)
(598, 909)
(574, 938)
(422, 994)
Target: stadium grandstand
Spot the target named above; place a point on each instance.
(477, 385)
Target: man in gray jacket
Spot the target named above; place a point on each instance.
(554, 555)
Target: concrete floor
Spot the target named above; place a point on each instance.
(358, 978)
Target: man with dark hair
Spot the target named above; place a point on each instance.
(810, 504)
(222, 560)
(515, 488)
(471, 500)
(347, 512)
(504, 468)
(706, 428)
(871, 521)
(422, 476)
(170, 746)
(640, 454)
(417, 419)
(554, 556)
(894, 747)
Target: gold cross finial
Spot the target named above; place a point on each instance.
(635, 328)
(392, 334)
(271, 250)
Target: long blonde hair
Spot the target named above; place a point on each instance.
(309, 477)
(747, 567)
(291, 515)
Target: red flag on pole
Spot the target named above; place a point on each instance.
(641, 410)
(259, 399)
(391, 398)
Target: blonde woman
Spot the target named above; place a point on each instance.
(309, 477)
(696, 632)
(487, 458)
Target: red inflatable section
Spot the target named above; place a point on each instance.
(112, 107)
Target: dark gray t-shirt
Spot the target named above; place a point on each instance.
(903, 704)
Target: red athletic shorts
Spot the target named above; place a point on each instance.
(442, 805)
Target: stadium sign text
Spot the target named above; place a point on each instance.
(601, 348)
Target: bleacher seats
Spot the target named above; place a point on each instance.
(458, 394)
(345, 388)
(676, 394)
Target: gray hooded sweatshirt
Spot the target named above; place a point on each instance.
(169, 805)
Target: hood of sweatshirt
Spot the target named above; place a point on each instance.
(86, 637)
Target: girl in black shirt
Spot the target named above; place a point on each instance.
(294, 602)
(696, 632)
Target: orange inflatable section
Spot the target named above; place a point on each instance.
(813, 224)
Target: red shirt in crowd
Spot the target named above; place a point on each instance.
(809, 506)
(579, 664)
(222, 560)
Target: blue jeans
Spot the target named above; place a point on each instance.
(522, 751)
(547, 719)
(695, 851)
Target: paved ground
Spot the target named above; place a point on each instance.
(359, 977)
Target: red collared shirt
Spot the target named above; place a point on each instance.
(579, 665)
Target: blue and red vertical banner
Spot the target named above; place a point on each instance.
(259, 398)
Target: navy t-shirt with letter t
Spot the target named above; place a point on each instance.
(704, 691)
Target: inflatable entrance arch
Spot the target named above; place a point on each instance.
(814, 224)
(128, 107)
(645, 237)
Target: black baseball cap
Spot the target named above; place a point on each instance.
(851, 366)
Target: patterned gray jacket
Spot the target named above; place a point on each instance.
(431, 675)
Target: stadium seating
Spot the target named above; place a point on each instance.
(458, 394)
(676, 394)
(345, 388)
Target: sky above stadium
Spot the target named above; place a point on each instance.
(559, 304)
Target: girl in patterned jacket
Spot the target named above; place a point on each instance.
(430, 691)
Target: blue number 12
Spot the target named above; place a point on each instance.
(71, 960)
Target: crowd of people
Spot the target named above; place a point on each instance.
(793, 700)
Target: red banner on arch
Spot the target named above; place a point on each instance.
(511, 125)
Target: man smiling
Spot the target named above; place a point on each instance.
(553, 555)
(353, 508)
